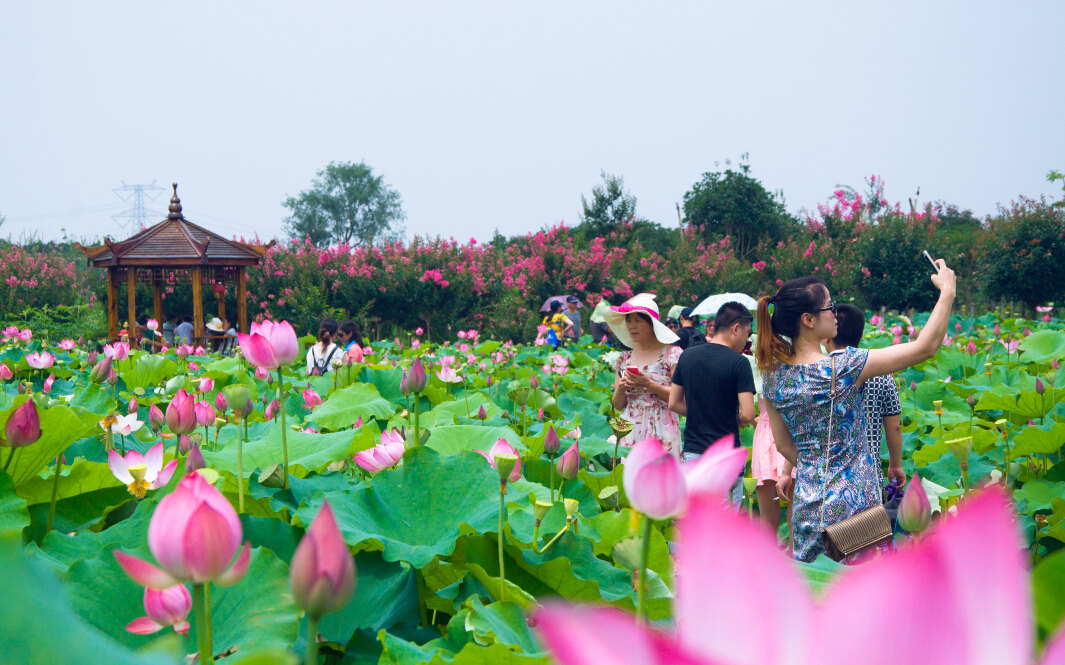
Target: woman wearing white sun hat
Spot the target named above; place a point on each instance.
(644, 374)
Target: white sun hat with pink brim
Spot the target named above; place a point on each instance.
(641, 303)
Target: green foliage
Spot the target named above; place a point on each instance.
(610, 206)
(1024, 253)
(347, 204)
(895, 273)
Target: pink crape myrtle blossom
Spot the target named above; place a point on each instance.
(945, 614)
(140, 472)
(164, 607)
(194, 534)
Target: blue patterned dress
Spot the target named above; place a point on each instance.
(844, 480)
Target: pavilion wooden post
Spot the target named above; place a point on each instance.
(131, 296)
(112, 304)
(242, 300)
(197, 303)
(157, 301)
(222, 307)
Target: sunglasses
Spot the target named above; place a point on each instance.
(831, 308)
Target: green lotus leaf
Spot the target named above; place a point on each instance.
(74, 480)
(1036, 439)
(1043, 346)
(1039, 494)
(13, 514)
(455, 411)
(148, 371)
(342, 408)
(386, 594)
(455, 439)
(418, 510)
(60, 427)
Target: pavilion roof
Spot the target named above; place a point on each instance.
(177, 242)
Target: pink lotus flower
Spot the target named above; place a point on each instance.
(569, 463)
(311, 399)
(118, 351)
(471, 334)
(915, 511)
(418, 331)
(447, 374)
(23, 426)
(322, 573)
(181, 413)
(42, 360)
(1043, 309)
(140, 472)
(1011, 345)
(205, 385)
(199, 351)
(653, 480)
(5, 372)
(164, 607)
(183, 351)
(271, 409)
(133, 405)
(205, 414)
(194, 534)
(193, 367)
(462, 334)
(124, 425)
(270, 345)
(716, 470)
(221, 405)
(385, 454)
(153, 326)
(261, 374)
(67, 345)
(10, 332)
(501, 447)
(970, 348)
(47, 387)
(415, 344)
(948, 618)
(25, 335)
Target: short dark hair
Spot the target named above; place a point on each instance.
(729, 313)
(686, 313)
(851, 324)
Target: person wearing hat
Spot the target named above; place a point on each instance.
(644, 373)
(216, 335)
(688, 333)
(574, 332)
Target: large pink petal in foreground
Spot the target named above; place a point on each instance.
(257, 350)
(739, 599)
(717, 469)
(579, 635)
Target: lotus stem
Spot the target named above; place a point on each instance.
(284, 433)
(417, 412)
(10, 456)
(55, 492)
(312, 640)
(641, 586)
(240, 475)
(502, 514)
(540, 550)
(203, 634)
(552, 483)
(466, 398)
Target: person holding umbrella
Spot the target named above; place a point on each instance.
(643, 376)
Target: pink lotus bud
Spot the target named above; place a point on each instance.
(164, 607)
(101, 371)
(534, 383)
(5, 372)
(502, 447)
(996, 330)
(311, 398)
(1054, 364)
(152, 325)
(23, 426)
(220, 403)
(133, 405)
(195, 460)
(184, 444)
(112, 378)
(957, 327)
(488, 382)
(155, 417)
(481, 413)
(971, 401)
(653, 480)
(569, 463)
(272, 409)
(913, 386)
(1040, 387)
(915, 511)
(322, 572)
(206, 385)
(418, 331)
(193, 367)
(194, 534)
(261, 374)
(970, 348)
(415, 380)
(47, 387)
(90, 359)
(205, 414)
(551, 441)
(181, 413)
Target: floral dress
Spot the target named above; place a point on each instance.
(834, 482)
(649, 414)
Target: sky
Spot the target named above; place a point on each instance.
(500, 115)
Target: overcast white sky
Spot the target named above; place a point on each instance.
(488, 115)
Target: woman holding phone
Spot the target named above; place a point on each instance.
(815, 402)
(643, 375)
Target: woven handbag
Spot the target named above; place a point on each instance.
(868, 528)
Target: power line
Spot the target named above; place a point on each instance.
(138, 213)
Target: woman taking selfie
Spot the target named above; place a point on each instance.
(643, 375)
(815, 401)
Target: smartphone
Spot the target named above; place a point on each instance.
(632, 370)
(930, 259)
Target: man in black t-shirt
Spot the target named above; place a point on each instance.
(713, 384)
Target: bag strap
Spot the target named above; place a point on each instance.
(828, 443)
(325, 363)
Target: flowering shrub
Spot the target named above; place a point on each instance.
(36, 278)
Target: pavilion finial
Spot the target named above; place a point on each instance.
(175, 205)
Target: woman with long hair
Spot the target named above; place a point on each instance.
(815, 401)
(324, 355)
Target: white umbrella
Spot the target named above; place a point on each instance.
(674, 312)
(710, 306)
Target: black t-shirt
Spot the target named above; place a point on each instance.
(712, 376)
(689, 337)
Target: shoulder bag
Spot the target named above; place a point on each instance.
(866, 529)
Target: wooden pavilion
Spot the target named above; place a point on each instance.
(175, 244)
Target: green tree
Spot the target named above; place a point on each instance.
(610, 206)
(892, 272)
(736, 205)
(346, 204)
(1024, 253)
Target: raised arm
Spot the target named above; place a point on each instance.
(900, 356)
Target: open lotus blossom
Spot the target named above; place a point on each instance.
(311, 398)
(124, 425)
(67, 345)
(164, 607)
(447, 374)
(153, 326)
(140, 472)
(721, 592)
(194, 534)
(117, 351)
(42, 360)
(269, 345)
(385, 454)
(10, 332)
(25, 335)
(1011, 345)
(502, 447)
(322, 573)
